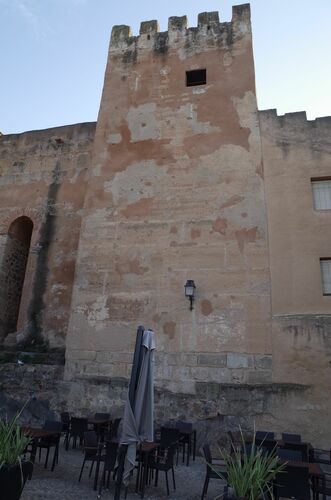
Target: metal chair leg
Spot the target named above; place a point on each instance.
(46, 461)
(81, 471)
(167, 482)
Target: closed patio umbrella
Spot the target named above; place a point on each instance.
(139, 409)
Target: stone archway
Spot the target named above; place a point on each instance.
(12, 273)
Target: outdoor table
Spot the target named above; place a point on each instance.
(36, 433)
(99, 449)
(99, 422)
(100, 425)
(144, 452)
(315, 472)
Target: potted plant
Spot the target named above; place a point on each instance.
(13, 469)
(250, 472)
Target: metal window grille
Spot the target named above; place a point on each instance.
(326, 275)
(322, 194)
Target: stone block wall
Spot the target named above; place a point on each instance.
(178, 372)
(214, 408)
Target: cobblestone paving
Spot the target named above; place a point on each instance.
(62, 483)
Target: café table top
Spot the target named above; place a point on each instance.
(38, 432)
(148, 446)
(281, 442)
(314, 469)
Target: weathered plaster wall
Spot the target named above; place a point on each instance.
(176, 192)
(43, 176)
(176, 189)
(295, 151)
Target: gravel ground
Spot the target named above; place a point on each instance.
(62, 483)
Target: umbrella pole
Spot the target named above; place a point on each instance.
(137, 360)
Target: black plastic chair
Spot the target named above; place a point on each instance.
(65, 419)
(78, 426)
(90, 449)
(109, 462)
(264, 435)
(267, 445)
(299, 447)
(322, 485)
(101, 429)
(165, 464)
(185, 438)
(102, 416)
(317, 455)
(114, 428)
(212, 471)
(291, 438)
(49, 442)
(292, 482)
(168, 436)
(294, 455)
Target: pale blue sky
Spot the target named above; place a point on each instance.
(53, 54)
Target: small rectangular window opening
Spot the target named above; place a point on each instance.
(326, 275)
(196, 77)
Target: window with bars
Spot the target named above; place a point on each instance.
(326, 275)
(321, 193)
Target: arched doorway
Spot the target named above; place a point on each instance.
(13, 272)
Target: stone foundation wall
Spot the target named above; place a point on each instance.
(214, 407)
(177, 372)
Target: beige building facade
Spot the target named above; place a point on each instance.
(180, 178)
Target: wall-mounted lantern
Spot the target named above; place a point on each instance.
(189, 292)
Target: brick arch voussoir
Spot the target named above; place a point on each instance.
(34, 214)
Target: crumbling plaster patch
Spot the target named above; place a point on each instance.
(183, 123)
(142, 122)
(96, 312)
(139, 180)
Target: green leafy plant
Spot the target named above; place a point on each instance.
(250, 473)
(12, 442)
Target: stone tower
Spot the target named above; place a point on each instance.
(175, 193)
(101, 225)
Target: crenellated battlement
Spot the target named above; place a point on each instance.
(293, 129)
(296, 119)
(207, 30)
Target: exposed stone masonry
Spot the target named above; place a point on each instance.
(14, 264)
